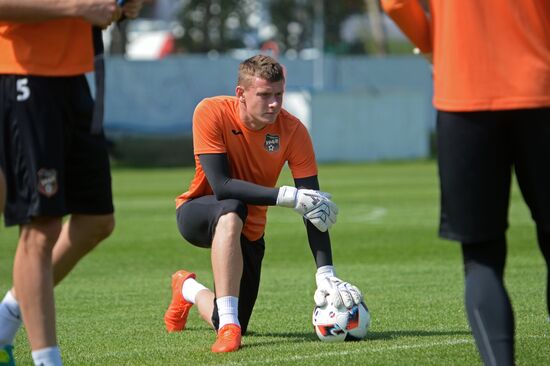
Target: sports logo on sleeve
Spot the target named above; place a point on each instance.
(271, 143)
(47, 182)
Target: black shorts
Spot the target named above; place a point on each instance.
(476, 154)
(197, 220)
(53, 165)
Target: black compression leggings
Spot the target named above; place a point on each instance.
(487, 302)
(544, 245)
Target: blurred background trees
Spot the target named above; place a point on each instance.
(293, 28)
(218, 25)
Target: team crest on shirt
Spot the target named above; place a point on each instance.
(47, 182)
(271, 143)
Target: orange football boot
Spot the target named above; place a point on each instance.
(228, 340)
(176, 315)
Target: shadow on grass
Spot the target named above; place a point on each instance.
(293, 337)
(394, 334)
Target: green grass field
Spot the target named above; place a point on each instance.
(110, 308)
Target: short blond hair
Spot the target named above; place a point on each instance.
(261, 66)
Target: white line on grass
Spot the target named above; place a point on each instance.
(536, 336)
(351, 352)
(373, 215)
(363, 350)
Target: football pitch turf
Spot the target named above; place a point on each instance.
(110, 308)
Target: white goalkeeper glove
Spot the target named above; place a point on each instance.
(342, 293)
(314, 206)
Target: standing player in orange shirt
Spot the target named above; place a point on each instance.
(241, 145)
(491, 63)
(53, 154)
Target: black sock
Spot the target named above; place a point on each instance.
(544, 245)
(487, 303)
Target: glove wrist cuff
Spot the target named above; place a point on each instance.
(324, 272)
(287, 196)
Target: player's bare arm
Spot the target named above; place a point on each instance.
(97, 12)
(410, 17)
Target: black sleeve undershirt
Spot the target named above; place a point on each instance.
(216, 169)
(319, 242)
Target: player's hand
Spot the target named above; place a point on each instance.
(98, 12)
(314, 206)
(343, 293)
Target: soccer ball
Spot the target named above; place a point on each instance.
(358, 322)
(340, 324)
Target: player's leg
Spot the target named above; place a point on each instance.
(197, 222)
(229, 335)
(475, 173)
(88, 188)
(85, 172)
(10, 313)
(253, 253)
(33, 279)
(9, 326)
(543, 236)
(35, 165)
(475, 167)
(6, 344)
(2, 192)
(227, 266)
(532, 159)
(80, 234)
(487, 302)
(88, 179)
(205, 299)
(88, 184)
(12, 326)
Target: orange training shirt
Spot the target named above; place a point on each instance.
(488, 54)
(254, 156)
(59, 47)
